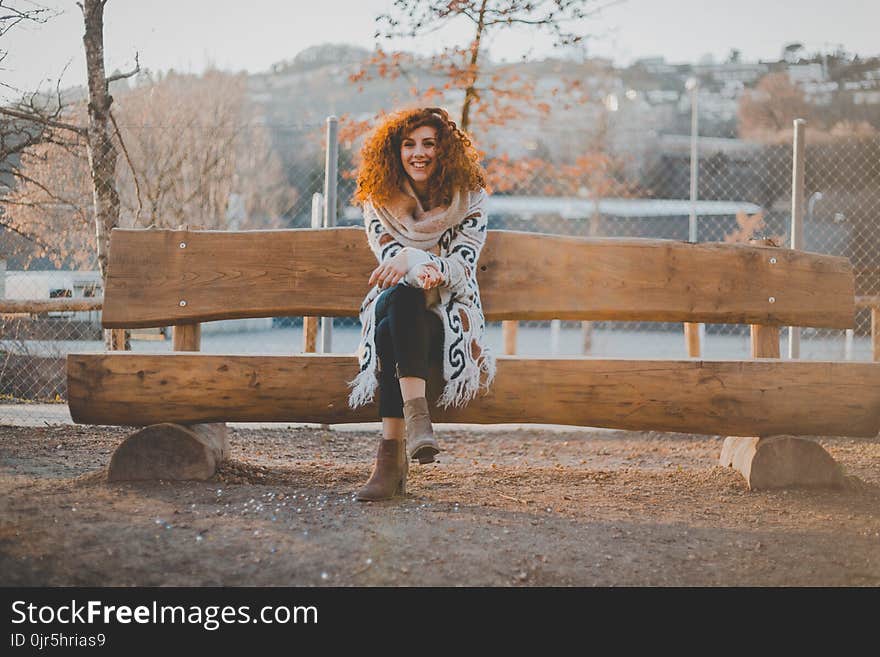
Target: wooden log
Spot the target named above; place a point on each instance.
(740, 452)
(692, 339)
(39, 306)
(508, 333)
(744, 398)
(187, 337)
(765, 341)
(170, 451)
(781, 462)
(154, 281)
(148, 334)
(310, 335)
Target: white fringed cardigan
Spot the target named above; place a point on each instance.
(466, 357)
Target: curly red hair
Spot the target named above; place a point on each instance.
(381, 175)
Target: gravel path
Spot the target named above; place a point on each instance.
(518, 507)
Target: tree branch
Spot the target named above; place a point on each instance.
(52, 196)
(36, 14)
(36, 118)
(137, 186)
(123, 76)
(30, 238)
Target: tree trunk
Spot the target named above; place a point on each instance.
(470, 92)
(101, 149)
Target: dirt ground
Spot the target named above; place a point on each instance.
(518, 508)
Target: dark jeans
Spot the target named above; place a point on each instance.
(408, 337)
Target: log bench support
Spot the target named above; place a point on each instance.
(781, 462)
(778, 461)
(168, 450)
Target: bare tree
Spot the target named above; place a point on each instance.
(101, 147)
(565, 126)
(34, 117)
(199, 147)
(465, 67)
(31, 124)
(33, 120)
(193, 149)
(51, 207)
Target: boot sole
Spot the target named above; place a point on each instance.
(425, 454)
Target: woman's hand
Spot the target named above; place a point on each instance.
(390, 272)
(429, 276)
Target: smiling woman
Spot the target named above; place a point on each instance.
(421, 186)
(417, 153)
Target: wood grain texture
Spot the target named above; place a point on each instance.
(187, 337)
(310, 334)
(154, 281)
(170, 451)
(509, 330)
(781, 462)
(692, 339)
(764, 341)
(738, 398)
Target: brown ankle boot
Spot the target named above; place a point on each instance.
(419, 432)
(388, 478)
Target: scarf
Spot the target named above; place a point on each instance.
(410, 224)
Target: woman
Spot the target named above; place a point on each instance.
(421, 187)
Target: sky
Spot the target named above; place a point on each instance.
(190, 35)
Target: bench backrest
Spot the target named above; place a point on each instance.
(173, 277)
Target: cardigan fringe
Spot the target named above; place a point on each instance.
(456, 392)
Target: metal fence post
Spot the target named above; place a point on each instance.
(694, 333)
(331, 165)
(310, 324)
(2, 279)
(694, 86)
(798, 161)
(317, 210)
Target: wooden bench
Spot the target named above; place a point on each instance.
(180, 278)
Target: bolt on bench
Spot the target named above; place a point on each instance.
(180, 278)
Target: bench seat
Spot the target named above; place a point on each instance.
(758, 397)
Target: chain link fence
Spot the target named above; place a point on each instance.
(265, 175)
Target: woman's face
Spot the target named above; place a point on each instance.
(418, 154)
